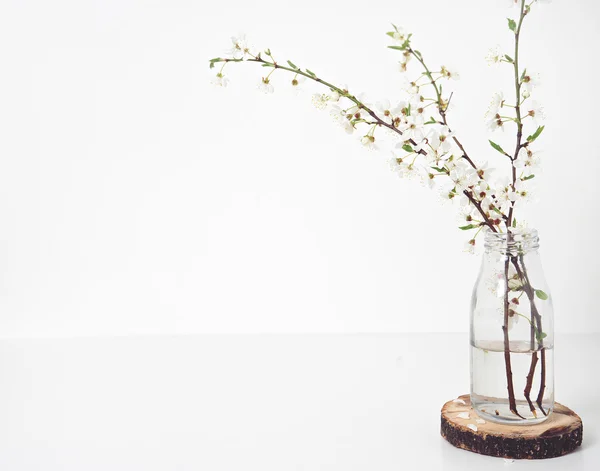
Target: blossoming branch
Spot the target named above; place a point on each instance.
(427, 146)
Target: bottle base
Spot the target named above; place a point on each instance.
(498, 410)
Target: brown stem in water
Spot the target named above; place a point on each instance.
(512, 404)
(527, 391)
(536, 324)
(543, 382)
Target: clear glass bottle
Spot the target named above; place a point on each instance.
(512, 332)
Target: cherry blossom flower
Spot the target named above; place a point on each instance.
(441, 140)
(399, 36)
(409, 87)
(495, 122)
(297, 81)
(404, 168)
(535, 111)
(387, 112)
(449, 73)
(484, 171)
(320, 100)
(495, 105)
(530, 81)
(413, 128)
(220, 80)
(265, 86)
(462, 177)
(494, 56)
(342, 118)
(368, 140)
(528, 163)
(240, 47)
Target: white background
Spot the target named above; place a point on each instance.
(136, 198)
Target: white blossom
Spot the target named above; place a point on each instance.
(413, 128)
(341, 117)
(521, 192)
(463, 177)
(368, 140)
(404, 167)
(387, 112)
(417, 107)
(513, 319)
(427, 178)
(484, 171)
(441, 140)
(494, 56)
(265, 85)
(320, 100)
(449, 73)
(399, 36)
(495, 105)
(220, 80)
(298, 80)
(530, 81)
(505, 194)
(334, 96)
(528, 163)
(239, 48)
(409, 87)
(495, 122)
(535, 111)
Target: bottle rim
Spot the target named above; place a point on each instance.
(517, 240)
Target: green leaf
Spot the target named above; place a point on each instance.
(407, 148)
(312, 74)
(292, 65)
(508, 58)
(390, 34)
(514, 224)
(512, 25)
(540, 335)
(408, 110)
(438, 169)
(523, 74)
(540, 294)
(268, 52)
(528, 177)
(268, 65)
(213, 61)
(398, 48)
(394, 26)
(418, 53)
(497, 147)
(431, 121)
(466, 228)
(536, 134)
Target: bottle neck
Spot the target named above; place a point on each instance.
(517, 242)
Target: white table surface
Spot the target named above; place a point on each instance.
(262, 402)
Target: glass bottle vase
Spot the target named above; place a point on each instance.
(512, 332)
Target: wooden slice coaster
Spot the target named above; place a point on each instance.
(560, 434)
